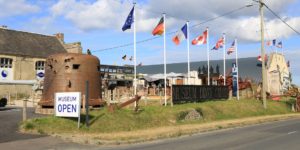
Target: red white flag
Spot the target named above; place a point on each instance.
(259, 58)
(202, 39)
(269, 43)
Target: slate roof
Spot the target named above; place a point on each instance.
(248, 67)
(28, 44)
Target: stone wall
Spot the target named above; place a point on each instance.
(73, 47)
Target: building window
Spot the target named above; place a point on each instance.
(40, 65)
(5, 63)
(76, 66)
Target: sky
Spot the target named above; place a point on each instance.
(97, 25)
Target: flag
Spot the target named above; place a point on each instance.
(259, 58)
(180, 35)
(269, 43)
(288, 64)
(130, 59)
(219, 44)
(279, 44)
(129, 20)
(159, 29)
(140, 64)
(202, 39)
(124, 57)
(214, 48)
(231, 49)
(274, 42)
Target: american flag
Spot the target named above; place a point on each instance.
(231, 49)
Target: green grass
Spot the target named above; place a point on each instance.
(101, 121)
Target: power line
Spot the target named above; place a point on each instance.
(225, 14)
(156, 37)
(276, 15)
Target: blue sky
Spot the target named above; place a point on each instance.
(97, 25)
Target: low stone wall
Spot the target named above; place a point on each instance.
(21, 90)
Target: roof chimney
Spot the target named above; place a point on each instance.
(60, 37)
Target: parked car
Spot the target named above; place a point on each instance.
(3, 102)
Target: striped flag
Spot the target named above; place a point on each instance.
(180, 35)
(159, 29)
(259, 58)
(231, 49)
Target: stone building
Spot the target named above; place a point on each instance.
(23, 55)
(279, 78)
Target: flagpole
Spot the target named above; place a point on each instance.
(188, 50)
(224, 49)
(165, 65)
(237, 73)
(134, 51)
(207, 49)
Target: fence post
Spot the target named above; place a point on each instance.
(24, 109)
(160, 98)
(171, 95)
(9, 100)
(87, 103)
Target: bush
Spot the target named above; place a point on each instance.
(181, 115)
(28, 126)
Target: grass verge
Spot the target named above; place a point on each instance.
(154, 122)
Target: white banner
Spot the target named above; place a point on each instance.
(67, 104)
(6, 74)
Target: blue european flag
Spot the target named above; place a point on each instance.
(129, 20)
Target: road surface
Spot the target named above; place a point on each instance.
(281, 135)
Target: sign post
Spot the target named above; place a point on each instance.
(68, 104)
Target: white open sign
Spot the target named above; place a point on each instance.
(67, 104)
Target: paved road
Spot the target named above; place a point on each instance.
(282, 135)
(10, 118)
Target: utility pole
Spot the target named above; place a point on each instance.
(264, 77)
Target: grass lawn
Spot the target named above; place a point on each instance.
(101, 121)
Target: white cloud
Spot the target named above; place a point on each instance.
(16, 7)
(98, 15)
(248, 29)
(244, 24)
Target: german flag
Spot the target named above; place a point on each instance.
(159, 29)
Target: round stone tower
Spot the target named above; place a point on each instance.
(68, 72)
